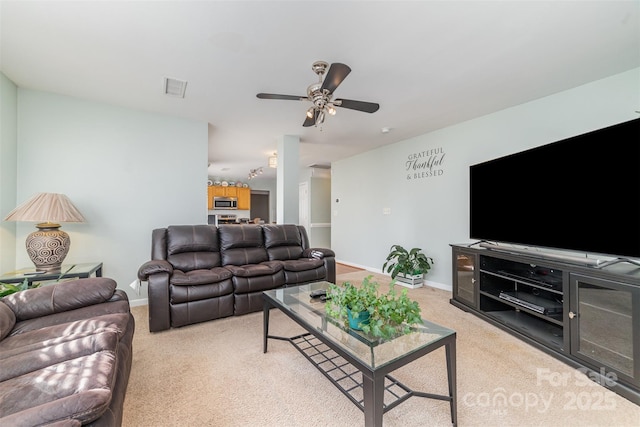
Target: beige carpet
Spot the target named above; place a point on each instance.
(215, 374)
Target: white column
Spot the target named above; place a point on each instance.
(287, 180)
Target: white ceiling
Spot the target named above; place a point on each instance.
(429, 64)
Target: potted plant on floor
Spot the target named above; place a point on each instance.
(364, 308)
(408, 267)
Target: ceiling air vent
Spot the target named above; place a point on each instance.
(174, 87)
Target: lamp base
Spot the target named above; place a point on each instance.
(48, 246)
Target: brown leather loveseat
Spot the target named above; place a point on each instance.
(65, 354)
(202, 272)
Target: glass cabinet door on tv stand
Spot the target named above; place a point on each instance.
(604, 320)
(464, 277)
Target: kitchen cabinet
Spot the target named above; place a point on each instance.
(242, 194)
(244, 198)
(210, 194)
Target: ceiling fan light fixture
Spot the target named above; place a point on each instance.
(320, 94)
(254, 172)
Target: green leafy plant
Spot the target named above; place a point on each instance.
(9, 288)
(408, 263)
(390, 314)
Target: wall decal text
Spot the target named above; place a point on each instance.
(425, 164)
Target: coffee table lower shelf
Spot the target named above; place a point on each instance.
(347, 378)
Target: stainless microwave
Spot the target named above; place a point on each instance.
(225, 203)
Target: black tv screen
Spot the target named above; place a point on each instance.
(580, 194)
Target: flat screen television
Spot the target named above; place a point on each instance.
(578, 194)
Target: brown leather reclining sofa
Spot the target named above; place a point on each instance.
(65, 354)
(202, 272)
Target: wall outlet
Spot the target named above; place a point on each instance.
(386, 211)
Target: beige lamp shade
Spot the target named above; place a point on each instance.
(48, 246)
(46, 207)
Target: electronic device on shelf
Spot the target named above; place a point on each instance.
(544, 280)
(532, 302)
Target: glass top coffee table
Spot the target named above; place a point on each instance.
(356, 363)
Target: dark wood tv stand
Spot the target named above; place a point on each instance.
(589, 317)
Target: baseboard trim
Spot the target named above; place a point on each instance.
(443, 286)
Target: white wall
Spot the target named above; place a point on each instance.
(8, 171)
(320, 212)
(127, 171)
(432, 212)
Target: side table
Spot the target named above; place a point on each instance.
(68, 271)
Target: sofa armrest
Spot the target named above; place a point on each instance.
(329, 257)
(60, 297)
(153, 267)
(318, 253)
(157, 272)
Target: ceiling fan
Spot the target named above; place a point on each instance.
(321, 94)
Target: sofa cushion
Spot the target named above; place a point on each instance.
(199, 277)
(46, 354)
(283, 242)
(191, 238)
(7, 320)
(195, 260)
(254, 270)
(302, 264)
(305, 276)
(79, 388)
(285, 253)
(114, 305)
(28, 338)
(193, 247)
(189, 293)
(255, 285)
(240, 236)
(281, 235)
(63, 296)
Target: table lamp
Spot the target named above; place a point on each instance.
(48, 246)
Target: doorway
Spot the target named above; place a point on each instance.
(260, 205)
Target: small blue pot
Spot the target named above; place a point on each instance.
(357, 319)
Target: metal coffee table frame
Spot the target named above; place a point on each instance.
(373, 390)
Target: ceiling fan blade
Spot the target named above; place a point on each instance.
(309, 121)
(285, 97)
(367, 107)
(336, 74)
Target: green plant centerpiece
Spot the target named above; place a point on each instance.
(390, 314)
(407, 266)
